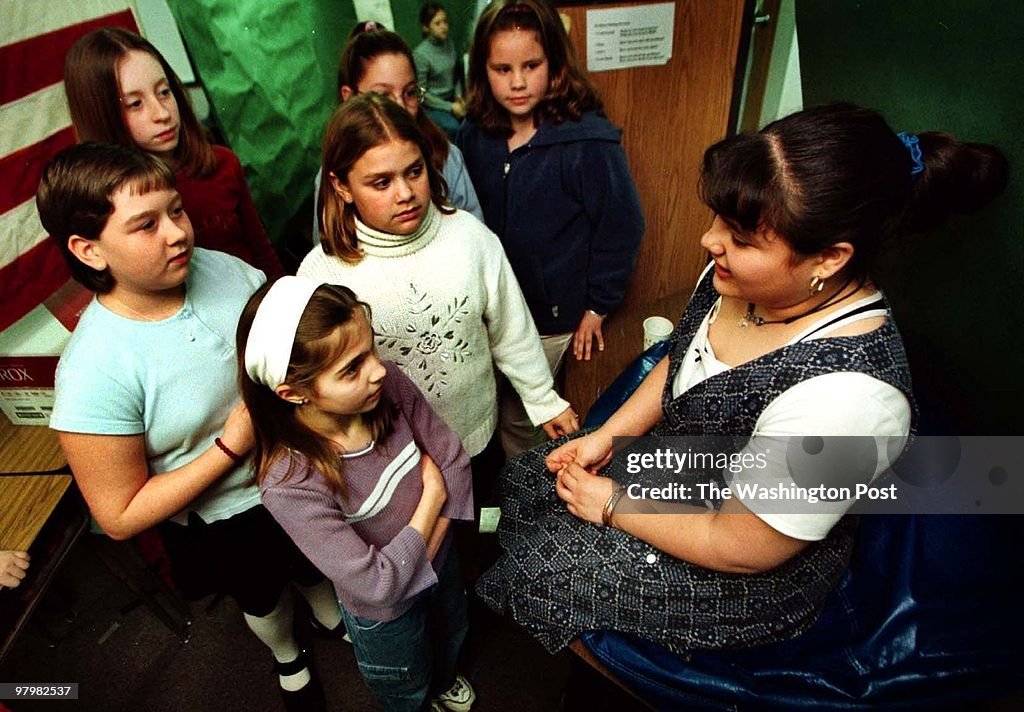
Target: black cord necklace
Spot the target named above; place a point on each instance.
(751, 318)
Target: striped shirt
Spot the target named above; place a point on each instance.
(362, 540)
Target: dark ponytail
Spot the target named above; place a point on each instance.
(958, 178)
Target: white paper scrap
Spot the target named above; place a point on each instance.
(489, 517)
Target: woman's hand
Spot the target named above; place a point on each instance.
(238, 433)
(591, 452)
(589, 329)
(584, 494)
(13, 565)
(564, 423)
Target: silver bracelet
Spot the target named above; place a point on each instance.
(609, 506)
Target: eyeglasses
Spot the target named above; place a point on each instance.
(414, 95)
(410, 96)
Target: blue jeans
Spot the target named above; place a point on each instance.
(411, 659)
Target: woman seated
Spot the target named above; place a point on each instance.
(786, 335)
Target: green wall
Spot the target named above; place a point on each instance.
(954, 66)
(270, 70)
(460, 16)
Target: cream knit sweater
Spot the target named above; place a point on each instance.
(448, 309)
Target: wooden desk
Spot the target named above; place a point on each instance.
(36, 496)
(29, 448)
(26, 503)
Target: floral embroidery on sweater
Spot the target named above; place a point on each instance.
(428, 339)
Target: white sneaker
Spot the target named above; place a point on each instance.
(459, 698)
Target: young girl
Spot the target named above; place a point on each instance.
(437, 66)
(147, 408)
(121, 90)
(552, 179)
(447, 305)
(375, 60)
(365, 477)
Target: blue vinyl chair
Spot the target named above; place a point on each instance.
(926, 617)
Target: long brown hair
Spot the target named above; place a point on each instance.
(94, 97)
(275, 421)
(361, 123)
(570, 91)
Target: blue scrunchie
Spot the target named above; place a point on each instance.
(910, 141)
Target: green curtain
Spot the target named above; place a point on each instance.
(269, 69)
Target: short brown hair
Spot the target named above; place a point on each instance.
(361, 123)
(94, 97)
(74, 196)
(427, 14)
(570, 91)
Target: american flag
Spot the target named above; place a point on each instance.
(35, 125)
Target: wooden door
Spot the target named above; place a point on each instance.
(669, 115)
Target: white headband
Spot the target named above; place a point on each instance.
(269, 346)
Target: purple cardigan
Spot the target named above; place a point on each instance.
(362, 541)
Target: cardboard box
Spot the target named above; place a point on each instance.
(29, 351)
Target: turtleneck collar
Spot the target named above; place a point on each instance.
(385, 244)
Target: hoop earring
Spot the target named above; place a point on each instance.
(817, 284)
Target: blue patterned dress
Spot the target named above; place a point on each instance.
(560, 576)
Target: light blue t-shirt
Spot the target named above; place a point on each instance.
(172, 380)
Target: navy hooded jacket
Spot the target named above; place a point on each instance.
(567, 212)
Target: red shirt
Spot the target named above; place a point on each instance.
(223, 215)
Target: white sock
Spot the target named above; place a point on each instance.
(323, 601)
(296, 681)
(276, 631)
